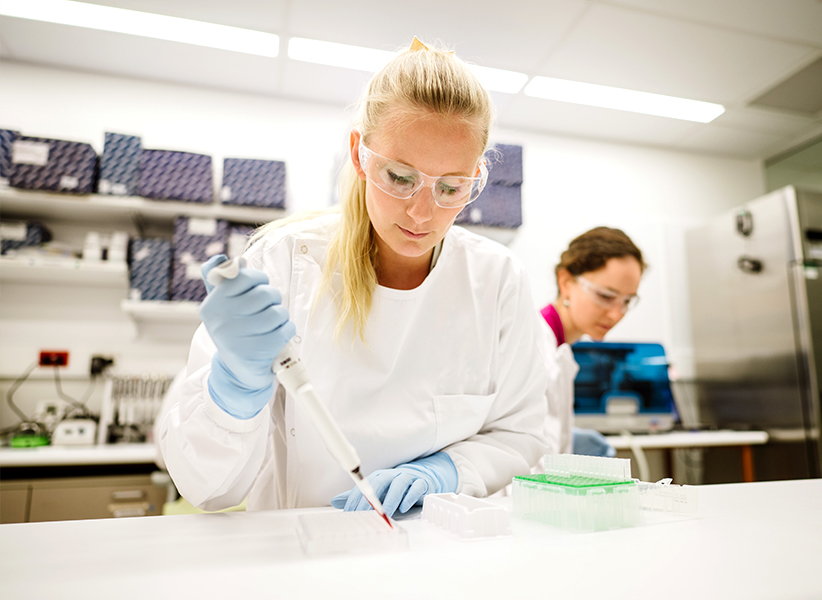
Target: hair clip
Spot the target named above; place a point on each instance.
(418, 45)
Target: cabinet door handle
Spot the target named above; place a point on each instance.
(134, 509)
(750, 265)
(128, 495)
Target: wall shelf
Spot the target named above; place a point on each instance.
(62, 270)
(161, 311)
(119, 211)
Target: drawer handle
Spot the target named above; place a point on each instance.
(128, 510)
(128, 495)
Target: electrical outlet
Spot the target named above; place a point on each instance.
(99, 364)
(54, 358)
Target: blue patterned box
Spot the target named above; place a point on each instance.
(150, 269)
(497, 206)
(237, 238)
(55, 165)
(18, 234)
(6, 138)
(195, 241)
(505, 165)
(253, 182)
(120, 165)
(169, 175)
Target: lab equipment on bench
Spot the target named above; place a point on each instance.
(594, 493)
(466, 517)
(293, 376)
(130, 405)
(75, 432)
(622, 387)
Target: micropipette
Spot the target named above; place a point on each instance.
(293, 376)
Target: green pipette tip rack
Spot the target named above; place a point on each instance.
(583, 493)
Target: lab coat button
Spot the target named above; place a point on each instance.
(293, 432)
(297, 339)
(304, 249)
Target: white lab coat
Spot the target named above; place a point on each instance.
(456, 364)
(562, 369)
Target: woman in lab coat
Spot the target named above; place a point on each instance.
(597, 278)
(420, 337)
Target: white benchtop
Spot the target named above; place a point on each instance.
(106, 454)
(751, 540)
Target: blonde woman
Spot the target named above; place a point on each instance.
(421, 338)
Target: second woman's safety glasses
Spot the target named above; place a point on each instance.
(607, 298)
(402, 181)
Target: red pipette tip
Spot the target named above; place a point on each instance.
(382, 514)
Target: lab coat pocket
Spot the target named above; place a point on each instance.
(459, 417)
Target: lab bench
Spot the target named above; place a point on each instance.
(55, 483)
(652, 453)
(747, 540)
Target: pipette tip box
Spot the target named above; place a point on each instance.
(585, 493)
(465, 516)
(348, 533)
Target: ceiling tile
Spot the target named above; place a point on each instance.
(797, 20)
(323, 83)
(624, 48)
(524, 112)
(260, 15)
(724, 140)
(484, 32)
(763, 120)
(135, 56)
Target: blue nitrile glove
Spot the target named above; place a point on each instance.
(249, 326)
(592, 443)
(405, 485)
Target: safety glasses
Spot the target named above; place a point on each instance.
(607, 298)
(401, 181)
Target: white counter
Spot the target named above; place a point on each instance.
(688, 439)
(752, 541)
(107, 454)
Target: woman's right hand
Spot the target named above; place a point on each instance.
(246, 320)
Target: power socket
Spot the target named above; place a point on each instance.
(99, 364)
(54, 358)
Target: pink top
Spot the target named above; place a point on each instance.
(551, 316)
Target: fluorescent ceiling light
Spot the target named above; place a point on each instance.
(499, 80)
(119, 20)
(338, 55)
(603, 96)
(368, 59)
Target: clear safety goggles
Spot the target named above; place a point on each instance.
(401, 181)
(607, 298)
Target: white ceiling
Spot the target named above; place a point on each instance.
(724, 51)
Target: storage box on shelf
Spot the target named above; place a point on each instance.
(253, 182)
(120, 165)
(497, 213)
(56, 165)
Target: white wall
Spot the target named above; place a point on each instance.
(570, 186)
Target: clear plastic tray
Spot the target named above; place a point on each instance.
(663, 496)
(342, 532)
(465, 516)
